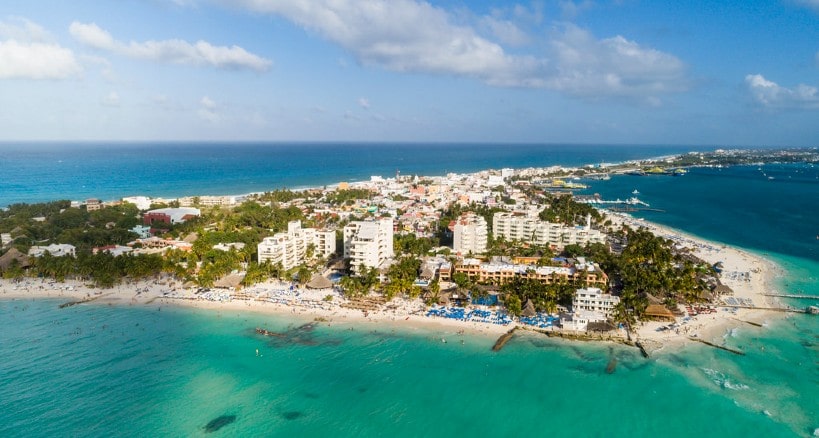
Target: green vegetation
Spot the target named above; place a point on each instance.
(649, 266)
(564, 209)
(347, 197)
(409, 244)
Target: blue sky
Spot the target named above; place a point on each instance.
(585, 71)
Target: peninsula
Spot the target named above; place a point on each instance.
(485, 252)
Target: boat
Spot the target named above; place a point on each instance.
(635, 192)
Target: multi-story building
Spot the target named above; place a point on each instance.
(500, 273)
(469, 234)
(368, 243)
(530, 229)
(170, 215)
(593, 299)
(290, 248)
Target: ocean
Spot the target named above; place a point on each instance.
(99, 370)
(38, 172)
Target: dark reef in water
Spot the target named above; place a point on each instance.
(219, 422)
(301, 335)
(292, 415)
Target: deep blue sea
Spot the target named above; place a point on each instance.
(99, 370)
(37, 172)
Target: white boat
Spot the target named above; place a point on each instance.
(635, 192)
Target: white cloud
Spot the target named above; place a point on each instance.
(405, 35)
(772, 95)
(363, 103)
(111, 99)
(27, 52)
(23, 30)
(173, 51)
(207, 109)
(92, 35)
(590, 67)
(505, 31)
(415, 36)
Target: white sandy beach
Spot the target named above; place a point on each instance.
(748, 275)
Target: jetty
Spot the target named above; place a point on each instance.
(503, 339)
(720, 347)
(755, 324)
(797, 296)
(86, 300)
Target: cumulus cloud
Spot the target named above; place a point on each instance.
(27, 52)
(415, 36)
(207, 109)
(405, 35)
(587, 66)
(173, 51)
(505, 31)
(772, 95)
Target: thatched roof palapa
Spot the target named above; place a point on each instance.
(528, 309)
(600, 326)
(230, 281)
(14, 254)
(319, 282)
(658, 311)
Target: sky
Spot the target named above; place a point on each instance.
(726, 73)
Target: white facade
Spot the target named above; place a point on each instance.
(290, 248)
(470, 234)
(579, 320)
(594, 300)
(530, 229)
(368, 243)
(56, 250)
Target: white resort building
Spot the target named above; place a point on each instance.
(55, 249)
(530, 229)
(593, 299)
(290, 248)
(469, 234)
(368, 243)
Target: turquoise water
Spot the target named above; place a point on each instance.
(98, 370)
(110, 371)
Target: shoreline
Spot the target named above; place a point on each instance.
(749, 276)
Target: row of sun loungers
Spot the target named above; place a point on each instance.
(734, 301)
(474, 315)
(540, 320)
